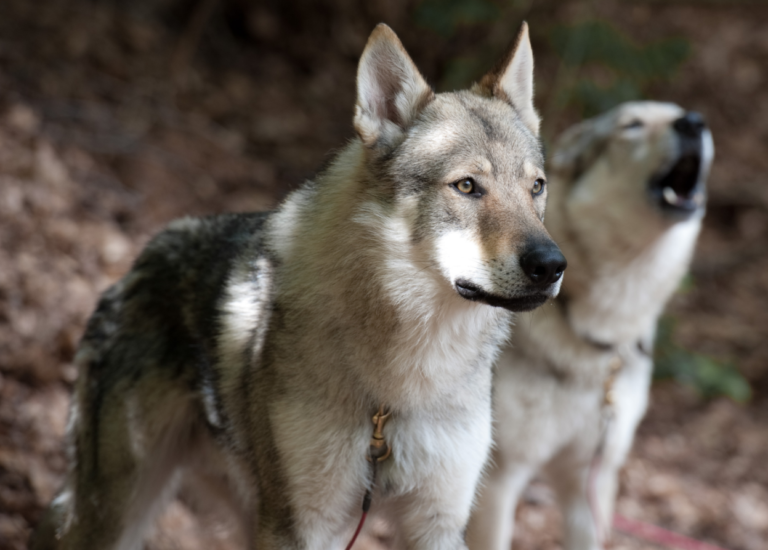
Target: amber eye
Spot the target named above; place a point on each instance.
(538, 187)
(466, 186)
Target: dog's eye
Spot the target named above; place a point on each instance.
(632, 124)
(466, 186)
(538, 187)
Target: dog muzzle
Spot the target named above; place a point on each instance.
(680, 191)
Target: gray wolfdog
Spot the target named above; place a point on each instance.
(254, 350)
(626, 205)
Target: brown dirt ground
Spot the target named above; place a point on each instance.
(109, 128)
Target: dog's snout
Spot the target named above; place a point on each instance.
(691, 124)
(543, 264)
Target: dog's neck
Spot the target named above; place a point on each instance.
(349, 264)
(625, 258)
(625, 296)
(614, 316)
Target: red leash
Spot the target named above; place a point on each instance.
(366, 506)
(357, 531)
(659, 535)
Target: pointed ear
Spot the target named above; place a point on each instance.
(580, 145)
(512, 80)
(390, 89)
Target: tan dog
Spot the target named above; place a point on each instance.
(626, 204)
(255, 349)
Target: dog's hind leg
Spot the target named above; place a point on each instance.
(110, 513)
(493, 520)
(126, 466)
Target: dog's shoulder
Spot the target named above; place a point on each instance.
(189, 263)
(163, 309)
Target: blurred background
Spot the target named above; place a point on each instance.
(117, 116)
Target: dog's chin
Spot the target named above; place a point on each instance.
(474, 293)
(680, 191)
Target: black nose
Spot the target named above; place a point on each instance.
(544, 264)
(690, 124)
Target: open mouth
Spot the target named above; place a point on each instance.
(680, 189)
(474, 293)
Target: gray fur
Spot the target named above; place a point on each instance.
(627, 252)
(254, 349)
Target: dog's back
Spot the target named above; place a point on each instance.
(626, 207)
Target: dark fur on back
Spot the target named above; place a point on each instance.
(172, 294)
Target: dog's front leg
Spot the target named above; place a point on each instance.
(572, 485)
(631, 399)
(493, 519)
(433, 525)
(313, 484)
(435, 516)
(314, 510)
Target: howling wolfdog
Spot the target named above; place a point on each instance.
(255, 349)
(626, 206)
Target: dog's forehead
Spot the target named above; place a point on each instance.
(649, 112)
(468, 128)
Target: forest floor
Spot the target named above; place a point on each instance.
(112, 123)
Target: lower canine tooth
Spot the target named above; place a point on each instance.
(670, 196)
